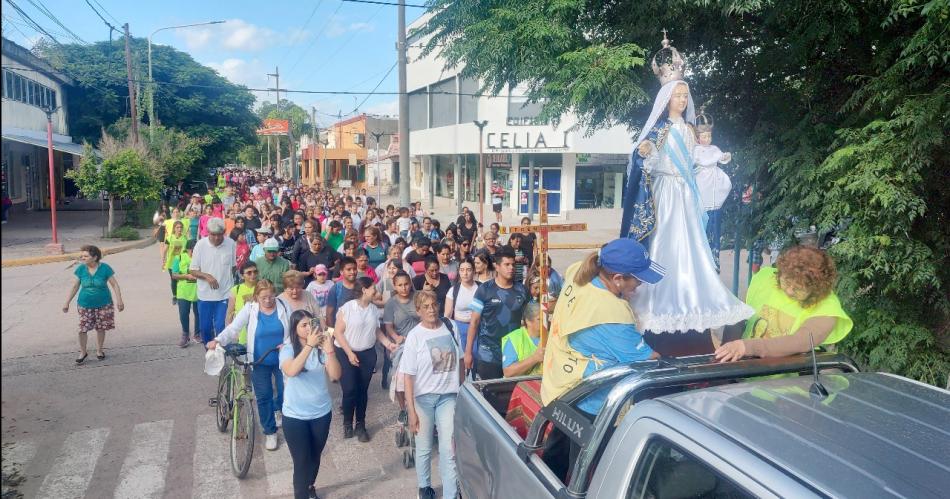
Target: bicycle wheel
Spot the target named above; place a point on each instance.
(223, 408)
(242, 435)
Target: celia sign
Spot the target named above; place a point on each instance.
(524, 141)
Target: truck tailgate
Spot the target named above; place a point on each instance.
(486, 454)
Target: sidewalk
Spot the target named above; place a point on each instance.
(26, 234)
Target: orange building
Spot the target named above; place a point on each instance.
(342, 151)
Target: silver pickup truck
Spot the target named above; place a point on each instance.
(690, 428)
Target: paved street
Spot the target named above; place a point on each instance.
(138, 423)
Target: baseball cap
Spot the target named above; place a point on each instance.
(320, 269)
(629, 257)
(264, 230)
(271, 245)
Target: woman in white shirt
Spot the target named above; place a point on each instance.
(460, 297)
(356, 333)
(432, 365)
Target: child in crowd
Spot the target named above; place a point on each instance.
(320, 287)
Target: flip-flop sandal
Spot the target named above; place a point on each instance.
(82, 359)
(101, 356)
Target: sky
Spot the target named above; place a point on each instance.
(316, 44)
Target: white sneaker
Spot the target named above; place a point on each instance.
(270, 441)
(278, 416)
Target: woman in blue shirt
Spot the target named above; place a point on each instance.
(266, 320)
(93, 279)
(307, 402)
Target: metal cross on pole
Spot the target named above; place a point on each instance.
(541, 249)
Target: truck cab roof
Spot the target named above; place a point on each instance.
(872, 433)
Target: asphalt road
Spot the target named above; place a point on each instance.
(138, 424)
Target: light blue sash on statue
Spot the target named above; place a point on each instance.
(682, 159)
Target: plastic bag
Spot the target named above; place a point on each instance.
(214, 361)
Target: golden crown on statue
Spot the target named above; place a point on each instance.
(668, 64)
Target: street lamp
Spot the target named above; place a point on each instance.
(481, 171)
(151, 82)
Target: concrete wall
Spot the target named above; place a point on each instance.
(16, 114)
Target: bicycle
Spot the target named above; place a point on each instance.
(235, 401)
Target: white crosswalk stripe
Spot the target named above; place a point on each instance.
(143, 472)
(212, 464)
(71, 472)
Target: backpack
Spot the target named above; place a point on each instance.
(451, 327)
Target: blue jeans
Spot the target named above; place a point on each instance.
(265, 378)
(185, 308)
(434, 409)
(211, 316)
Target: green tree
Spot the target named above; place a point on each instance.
(123, 171)
(189, 97)
(836, 111)
(175, 153)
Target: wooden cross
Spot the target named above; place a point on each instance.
(541, 250)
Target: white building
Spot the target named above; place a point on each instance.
(579, 172)
(30, 87)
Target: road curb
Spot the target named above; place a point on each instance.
(65, 257)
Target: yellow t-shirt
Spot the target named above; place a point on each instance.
(242, 294)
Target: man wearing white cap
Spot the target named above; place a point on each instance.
(213, 263)
(272, 266)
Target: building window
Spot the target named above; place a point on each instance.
(468, 103)
(22, 89)
(418, 110)
(444, 104)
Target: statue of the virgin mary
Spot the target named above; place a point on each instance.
(662, 209)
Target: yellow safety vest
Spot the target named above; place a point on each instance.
(524, 346)
(776, 314)
(578, 308)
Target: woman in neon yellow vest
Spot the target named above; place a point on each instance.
(520, 354)
(795, 307)
(241, 294)
(593, 326)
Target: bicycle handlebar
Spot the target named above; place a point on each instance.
(239, 362)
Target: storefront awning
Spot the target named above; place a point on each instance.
(67, 147)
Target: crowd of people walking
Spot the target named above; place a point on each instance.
(347, 287)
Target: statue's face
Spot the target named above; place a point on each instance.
(679, 100)
(705, 138)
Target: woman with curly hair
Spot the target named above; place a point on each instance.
(795, 307)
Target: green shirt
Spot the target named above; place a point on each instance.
(334, 241)
(273, 271)
(94, 288)
(186, 290)
(176, 246)
(242, 295)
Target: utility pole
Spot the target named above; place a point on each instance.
(403, 110)
(481, 172)
(377, 135)
(276, 75)
(128, 69)
(313, 140)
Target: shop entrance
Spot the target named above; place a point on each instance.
(550, 179)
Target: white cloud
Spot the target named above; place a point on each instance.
(338, 27)
(242, 72)
(239, 35)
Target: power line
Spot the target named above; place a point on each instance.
(13, 25)
(317, 37)
(304, 27)
(343, 45)
(31, 23)
(45, 11)
(107, 12)
(373, 92)
(111, 27)
(395, 4)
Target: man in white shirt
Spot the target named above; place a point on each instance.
(213, 264)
